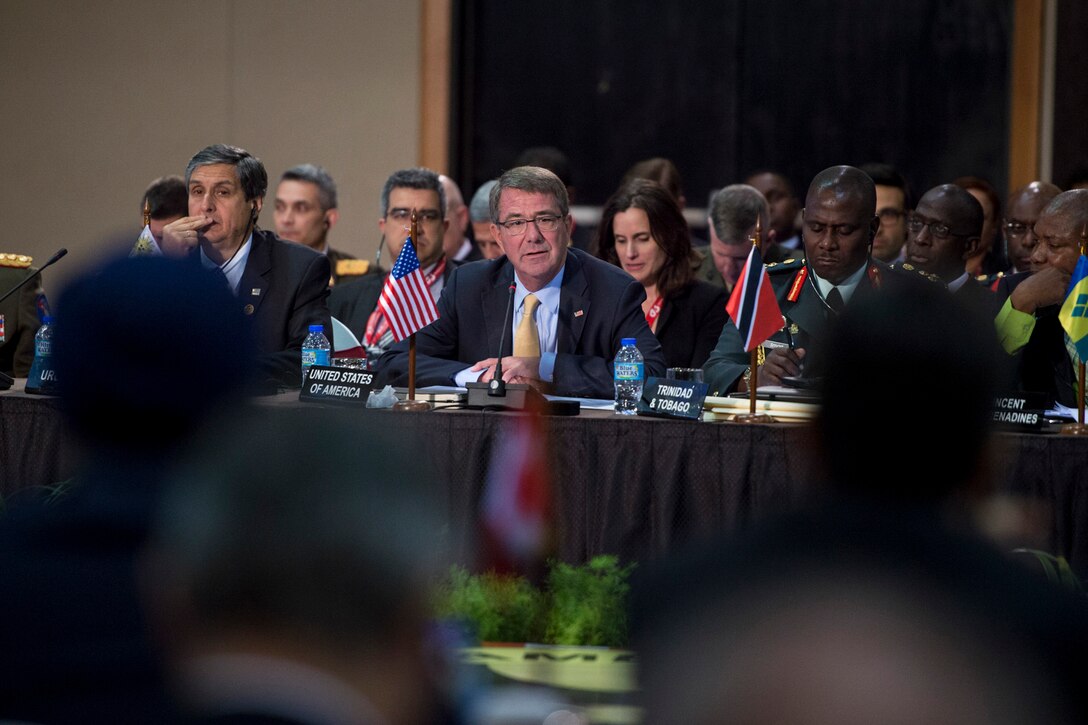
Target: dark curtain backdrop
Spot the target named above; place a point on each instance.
(1071, 96)
(723, 88)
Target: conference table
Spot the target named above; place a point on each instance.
(637, 487)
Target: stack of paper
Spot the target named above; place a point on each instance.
(726, 408)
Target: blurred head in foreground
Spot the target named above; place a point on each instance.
(908, 396)
(292, 552)
(145, 350)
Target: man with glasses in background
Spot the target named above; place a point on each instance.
(1025, 206)
(941, 234)
(406, 191)
(570, 310)
(892, 203)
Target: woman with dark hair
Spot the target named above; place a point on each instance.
(643, 231)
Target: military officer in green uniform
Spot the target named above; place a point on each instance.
(839, 223)
(20, 316)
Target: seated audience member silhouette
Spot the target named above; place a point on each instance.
(290, 584)
(166, 200)
(643, 232)
(784, 206)
(733, 214)
(479, 211)
(455, 242)
(139, 374)
(876, 601)
(557, 162)
(989, 257)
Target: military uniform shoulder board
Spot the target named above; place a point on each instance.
(874, 276)
(784, 266)
(20, 261)
(352, 267)
(798, 281)
(908, 267)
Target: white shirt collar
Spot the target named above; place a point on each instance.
(846, 287)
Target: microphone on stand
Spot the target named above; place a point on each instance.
(57, 255)
(497, 387)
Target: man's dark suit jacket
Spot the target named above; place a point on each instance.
(1043, 365)
(284, 289)
(599, 304)
(690, 324)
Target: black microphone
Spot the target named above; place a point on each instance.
(378, 256)
(497, 387)
(59, 253)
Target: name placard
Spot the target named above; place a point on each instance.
(672, 398)
(336, 385)
(1021, 411)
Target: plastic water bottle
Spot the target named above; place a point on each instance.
(42, 378)
(315, 349)
(628, 376)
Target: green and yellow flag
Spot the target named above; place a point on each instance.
(1074, 314)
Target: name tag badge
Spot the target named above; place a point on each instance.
(1020, 411)
(672, 399)
(336, 385)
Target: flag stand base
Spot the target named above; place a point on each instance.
(753, 418)
(412, 406)
(1074, 429)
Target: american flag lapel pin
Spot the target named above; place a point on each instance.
(256, 291)
(579, 313)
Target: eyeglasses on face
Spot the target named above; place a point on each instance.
(402, 216)
(544, 222)
(915, 224)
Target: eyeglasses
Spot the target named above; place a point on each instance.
(939, 231)
(403, 216)
(1016, 228)
(890, 215)
(544, 222)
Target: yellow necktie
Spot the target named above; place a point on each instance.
(526, 339)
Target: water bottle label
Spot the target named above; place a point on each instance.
(628, 371)
(44, 347)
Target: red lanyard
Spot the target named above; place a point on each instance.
(654, 311)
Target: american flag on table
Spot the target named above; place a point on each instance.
(406, 301)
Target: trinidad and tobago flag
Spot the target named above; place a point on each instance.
(753, 306)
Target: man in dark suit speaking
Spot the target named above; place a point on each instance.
(282, 287)
(570, 310)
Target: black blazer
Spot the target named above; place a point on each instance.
(690, 323)
(284, 289)
(599, 304)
